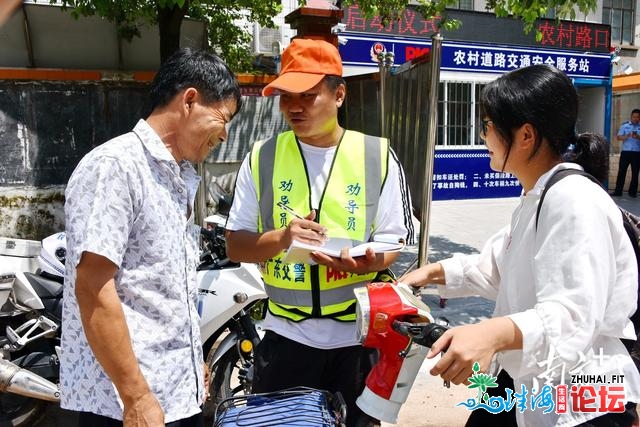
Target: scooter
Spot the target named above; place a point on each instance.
(30, 319)
(391, 319)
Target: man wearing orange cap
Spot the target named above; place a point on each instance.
(342, 184)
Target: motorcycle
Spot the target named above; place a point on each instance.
(30, 317)
(229, 296)
(231, 303)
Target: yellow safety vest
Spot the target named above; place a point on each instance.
(347, 208)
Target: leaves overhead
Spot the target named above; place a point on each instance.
(390, 11)
(226, 33)
(528, 10)
(230, 32)
(231, 40)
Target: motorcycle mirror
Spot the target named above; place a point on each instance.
(221, 197)
(224, 205)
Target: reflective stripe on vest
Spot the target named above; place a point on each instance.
(300, 291)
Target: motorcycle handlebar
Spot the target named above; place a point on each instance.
(424, 334)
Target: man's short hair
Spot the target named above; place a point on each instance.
(195, 68)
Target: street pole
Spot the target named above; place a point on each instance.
(432, 125)
(385, 61)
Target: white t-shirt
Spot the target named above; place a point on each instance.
(393, 218)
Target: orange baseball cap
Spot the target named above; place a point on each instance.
(305, 62)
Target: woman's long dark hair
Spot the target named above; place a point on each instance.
(544, 97)
(590, 151)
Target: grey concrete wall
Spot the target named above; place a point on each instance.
(54, 39)
(47, 127)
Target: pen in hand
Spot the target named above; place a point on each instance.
(296, 214)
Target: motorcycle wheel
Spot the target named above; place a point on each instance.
(20, 411)
(228, 379)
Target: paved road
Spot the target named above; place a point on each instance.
(455, 226)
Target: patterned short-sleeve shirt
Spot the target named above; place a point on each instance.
(128, 200)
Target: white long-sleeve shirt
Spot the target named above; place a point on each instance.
(570, 287)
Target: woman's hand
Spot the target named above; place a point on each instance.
(465, 345)
(425, 275)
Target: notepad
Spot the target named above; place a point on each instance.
(299, 252)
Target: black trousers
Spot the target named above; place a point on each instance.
(282, 363)
(628, 158)
(482, 418)
(87, 419)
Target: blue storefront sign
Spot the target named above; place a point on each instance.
(362, 50)
(465, 174)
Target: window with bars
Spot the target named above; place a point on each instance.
(619, 14)
(459, 114)
(462, 5)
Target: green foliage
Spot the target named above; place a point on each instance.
(387, 10)
(226, 36)
(126, 14)
(530, 10)
(233, 41)
(391, 10)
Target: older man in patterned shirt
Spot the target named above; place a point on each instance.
(131, 346)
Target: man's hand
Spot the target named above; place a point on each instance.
(249, 246)
(367, 263)
(144, 412)
(108, 336)
(305, 230)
